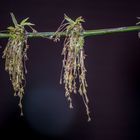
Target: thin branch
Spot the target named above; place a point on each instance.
(86, 33)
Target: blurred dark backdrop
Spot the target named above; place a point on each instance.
(113, 64)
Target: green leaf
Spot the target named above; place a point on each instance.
(80, 19)
(14, 19)
(137, 23)
(28, 24)
(34, 31)
(10, 28)
(23, 21)
(68, 19)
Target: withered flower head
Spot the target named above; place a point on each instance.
(73, 72)
(15, 55)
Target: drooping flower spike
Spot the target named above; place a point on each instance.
(15, 55)
(73, 73)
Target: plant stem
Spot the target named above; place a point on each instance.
(111, 30)
(86, 33)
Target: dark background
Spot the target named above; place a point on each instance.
(113, 65)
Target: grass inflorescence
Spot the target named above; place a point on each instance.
(73, 74)
(15, 55)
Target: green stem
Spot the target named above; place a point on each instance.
(86, 33)
(111, 31)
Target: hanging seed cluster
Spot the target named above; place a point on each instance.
(15, 55)
(73, 68)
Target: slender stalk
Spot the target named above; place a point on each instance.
(86, 33)
(111, 31)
